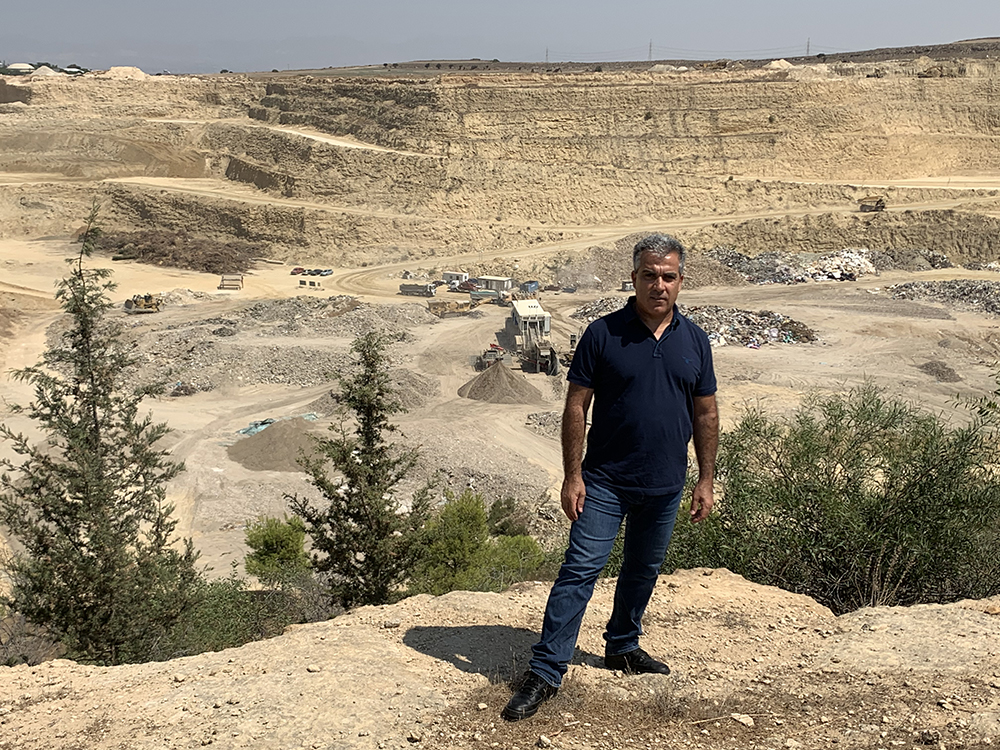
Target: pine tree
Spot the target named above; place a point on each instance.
(359, 538)
(99, 565)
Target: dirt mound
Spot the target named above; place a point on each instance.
(125, 72)
(275, 448)
(500, 385)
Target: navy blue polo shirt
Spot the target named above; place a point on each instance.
(643, 405)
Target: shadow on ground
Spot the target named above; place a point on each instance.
(498, 652)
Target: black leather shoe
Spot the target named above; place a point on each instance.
(525, 702)
(636, 662)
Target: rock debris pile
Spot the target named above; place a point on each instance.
(969, 294)
(300, 341)
(545, 423)
(731, 325)
(332, 316)
(789, 268)
(724, 325)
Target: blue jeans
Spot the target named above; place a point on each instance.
(649, 524)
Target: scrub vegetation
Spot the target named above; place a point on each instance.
(856, 500)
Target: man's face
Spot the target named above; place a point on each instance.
(657, 283)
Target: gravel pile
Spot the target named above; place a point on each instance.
(968, 294)
(276, 448)
(724, 325)
(498, 384)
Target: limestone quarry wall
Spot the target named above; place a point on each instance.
(963, 237)
(826, 129)
(608, 148)
(465, 162)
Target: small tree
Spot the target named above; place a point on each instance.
(278, 552)
(458, 552)
(359, 537)
(99, 567)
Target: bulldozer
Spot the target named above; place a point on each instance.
(143, 303)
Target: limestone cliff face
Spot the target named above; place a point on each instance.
(362, 169)
(610, 147)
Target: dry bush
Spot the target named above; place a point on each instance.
(178, 249)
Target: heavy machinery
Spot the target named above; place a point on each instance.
(143, 303)
(538, 355)
(418, 290)
(447, 308)
(491, 356)
(872, 203)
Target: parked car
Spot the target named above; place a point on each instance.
(327, 272)
(316, 272)
(468, 286)
(297, 270)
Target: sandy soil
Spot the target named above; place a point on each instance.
(442, 190)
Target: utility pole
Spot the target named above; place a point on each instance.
(807, 46)
(651, 50)
(546, 55)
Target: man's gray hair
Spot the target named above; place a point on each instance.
(660, 245)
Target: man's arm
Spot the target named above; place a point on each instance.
(574, 425)
(706, 445)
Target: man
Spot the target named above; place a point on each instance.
(648, 371)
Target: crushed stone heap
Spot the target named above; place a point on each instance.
(498, 384)
(276, 448)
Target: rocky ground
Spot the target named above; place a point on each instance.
(752, 666)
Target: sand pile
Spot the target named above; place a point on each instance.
(500, 385)
(125, 72)
(275, 448)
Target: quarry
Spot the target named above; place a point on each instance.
(765, 172)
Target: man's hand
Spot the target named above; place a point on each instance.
(702, 500)
(706, 444)
(572, 496)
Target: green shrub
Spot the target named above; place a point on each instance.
(507, 518)
(278, 549)
(458, 553)
(229, 613)
(855, 500)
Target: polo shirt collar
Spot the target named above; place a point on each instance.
(632, 315)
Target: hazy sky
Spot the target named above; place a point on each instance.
(205, 36)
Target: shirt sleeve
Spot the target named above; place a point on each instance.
(583, 368)
(706, 384)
